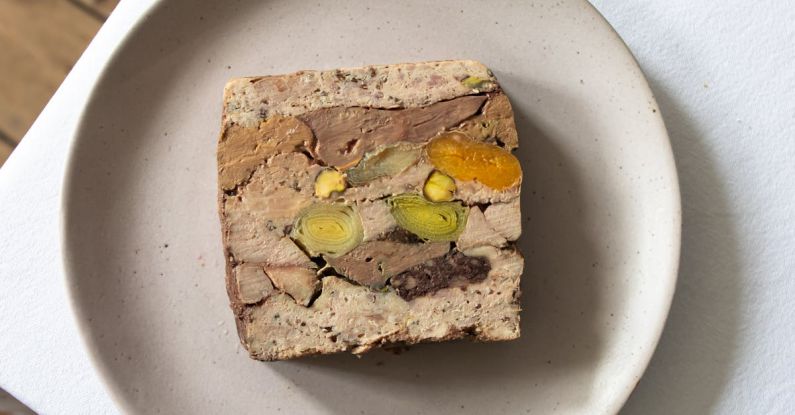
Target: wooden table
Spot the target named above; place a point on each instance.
(40, 40)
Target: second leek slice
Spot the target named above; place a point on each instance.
(432, 221)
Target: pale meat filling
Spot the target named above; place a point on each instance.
(355, 318)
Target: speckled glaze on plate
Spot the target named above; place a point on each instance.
(600, 201)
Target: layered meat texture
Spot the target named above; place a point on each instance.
(370, 206)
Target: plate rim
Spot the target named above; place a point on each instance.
(69, 177)
(68, 182)
(675, 194)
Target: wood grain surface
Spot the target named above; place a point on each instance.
(5, 151)
(100, 7)
(11, 406)
(40, 40)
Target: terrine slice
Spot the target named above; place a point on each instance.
(368, 206)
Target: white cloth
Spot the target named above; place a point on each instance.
(724, 76)
(723, 73)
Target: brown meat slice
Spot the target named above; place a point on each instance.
(373, 263)
(494, 124)
(241, 150)
(343, 135)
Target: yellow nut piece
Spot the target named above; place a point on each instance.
(328, 182)
(474, 82)
(439, 187)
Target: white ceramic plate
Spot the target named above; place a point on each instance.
(600, 197)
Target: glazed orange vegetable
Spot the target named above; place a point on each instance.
(463, 158)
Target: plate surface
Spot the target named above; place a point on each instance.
(600, 202)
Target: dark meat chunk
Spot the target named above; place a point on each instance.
(452, 269)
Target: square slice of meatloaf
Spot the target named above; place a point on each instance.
(368, 206)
